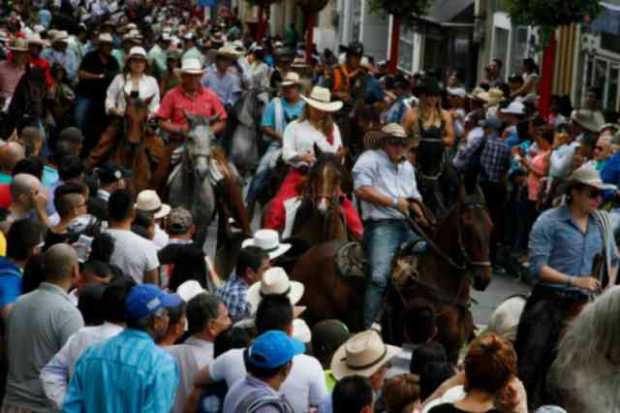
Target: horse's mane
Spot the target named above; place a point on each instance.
(324, 161)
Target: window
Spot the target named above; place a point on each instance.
(612, 88)
(519, 49)
(500, 44)
(405, 48)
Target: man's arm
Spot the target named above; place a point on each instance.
(54, 377)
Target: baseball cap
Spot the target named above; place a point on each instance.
(492, 122)
(145, 299)
(273, 349)
(110, 172)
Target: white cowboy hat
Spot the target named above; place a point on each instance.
(269, 241)
(189, 289)
(291, 79)
(60, 37)
(321, 98)
(35, 38)
(515, 108)
(587, 119)
(373, 139)
(587, 175)
(229, 52)
(493, 97)
(148, 201)
(105, 38)
(363, 354)
(275, 282)
(191, 66)
(458, 92)
(301, 331)
(137, 51)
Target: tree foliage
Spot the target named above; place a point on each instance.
(262, 3)
(312, 6)
(551, 13)
(402, 8)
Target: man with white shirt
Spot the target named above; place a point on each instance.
(305, 385)
(57, 372)
(134, 255)
(207, 317)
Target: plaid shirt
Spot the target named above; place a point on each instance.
(234, 295)
(495, 159)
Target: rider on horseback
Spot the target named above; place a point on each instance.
(315, 127)
(385, 182)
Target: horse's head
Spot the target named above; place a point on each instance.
(323, 183)
(474, 236)
(136, 114)
(198, 142)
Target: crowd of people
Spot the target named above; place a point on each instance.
(109, 304)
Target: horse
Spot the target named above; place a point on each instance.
(133, 145)
(245, 134)
(319, 217)
(458, 254)
(204, 182)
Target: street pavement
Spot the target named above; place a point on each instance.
(501, 287)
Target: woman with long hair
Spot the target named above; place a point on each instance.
(585, 376)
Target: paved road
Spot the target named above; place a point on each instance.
(501, 287)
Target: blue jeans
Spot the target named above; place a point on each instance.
(382, 240)
(261, 177)
(82, 108)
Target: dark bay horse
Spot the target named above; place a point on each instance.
(458, 256)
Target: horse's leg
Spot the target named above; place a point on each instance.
(161, 154)
(107, 144)
(142, 169)
(450, 331)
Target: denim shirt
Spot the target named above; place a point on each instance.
(558, 242)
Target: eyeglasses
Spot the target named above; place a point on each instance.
(397, 142)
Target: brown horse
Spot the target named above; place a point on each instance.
(459, 254)
(319, 217)
(132, 144)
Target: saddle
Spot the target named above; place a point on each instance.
(351, 261)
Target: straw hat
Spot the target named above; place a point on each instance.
(60, 37)
(587, 119)
(373, 139)
(493, 97)
(189, 289)
(148, 201)
(269, 241)
(137, 52)
(228, 52)
(587, 175)
(35, 38)
(105, 38)
(275, 282)
(19, 45)
(321, 98)
(191, 66)
(291, 79)
(363, 354)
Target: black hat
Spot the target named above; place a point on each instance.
(110, 173)
(427, 85)
(354, 49)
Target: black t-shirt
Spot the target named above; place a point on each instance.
(450, 408)
(96, 88)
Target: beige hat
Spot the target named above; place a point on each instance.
(60, 37)
(321, 98)
(493, 97)
(587, 175)
(229, 52)
(275, 282)
(191, 66)
(137, 51)
(587, 119)
(269, 241)
(105, 38)
(374, 139)
(19, 45)
(148, 201)
(362, 354)
(190, 289)
(35, 38)
(291, 79)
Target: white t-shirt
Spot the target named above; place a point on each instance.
(304, 386)
(300, 138)
(133, 254)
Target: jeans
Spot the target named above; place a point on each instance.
(90, 117)
(263, 171)
(382, 240)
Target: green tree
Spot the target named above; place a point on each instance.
(401, 11)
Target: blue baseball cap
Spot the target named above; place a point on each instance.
(145, 299)
(273, 349)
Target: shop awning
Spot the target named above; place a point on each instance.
(609, 19)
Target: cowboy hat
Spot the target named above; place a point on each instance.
(105, 38)
(363, 354)
(427, 86)
(189, 289)
(191, 66)
(291, 79)
(148, 201)
(228, 52)
(321, 98)
(515, 108)
(587, 119)
(19, 45)
(275, 282)
(138, 52)
(587, 175)
(374, 139)
(493, 97)
(458, 92)
(35, 38)
(267, 240)
(476, 93)
(60, 36)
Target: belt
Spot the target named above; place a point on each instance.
(545, 291)
(383, 221)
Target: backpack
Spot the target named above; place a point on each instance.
(256, 400)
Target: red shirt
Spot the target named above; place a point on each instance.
(176, 102)
(45, 68)
(5, 196)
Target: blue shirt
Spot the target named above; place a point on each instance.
(290, 112)
(10, 282)
(558, 242)
(234, 295)
(512, 138)
(66, 59)
(227, 87)
(127, 373)
(375, 169)
(611, 172)
(495, 159)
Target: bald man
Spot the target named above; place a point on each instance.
(51, 319)
(28, 201)
(10, 154)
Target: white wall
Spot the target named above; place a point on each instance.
(375, 30)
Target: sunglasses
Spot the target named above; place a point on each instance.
(594, 193)
(397, 142)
